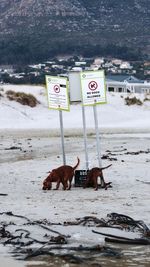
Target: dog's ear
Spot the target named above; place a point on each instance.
(44, 181)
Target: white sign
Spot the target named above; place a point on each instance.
(75, 86)
(57, 92)
(93, 87)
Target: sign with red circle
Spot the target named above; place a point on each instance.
(93, 85)
(57, 88)
(57, 93)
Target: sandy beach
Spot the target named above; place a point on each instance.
(30, 146)
(24, 168)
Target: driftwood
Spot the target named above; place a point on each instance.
(124, 240)
(113, 220)
(88, 221)
(13, 148)
(143, 182)
(33, 222)
(135, 241)
(126, 221)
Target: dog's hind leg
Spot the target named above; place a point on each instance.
(65, 184)
(70, 181)
(102, 179)
(95, 183)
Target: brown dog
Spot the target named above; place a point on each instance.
(63, 174)
(92, 178)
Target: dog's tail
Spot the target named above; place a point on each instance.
(105, 167)
(76, 164)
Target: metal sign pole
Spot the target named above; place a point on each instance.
(85, 138)
(97, 136)
(62, 136)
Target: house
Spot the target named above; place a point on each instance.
(125, 65)
(80, 63)
(126, 84)
(116, 61)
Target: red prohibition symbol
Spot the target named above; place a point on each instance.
(57, 88)
(92, 85)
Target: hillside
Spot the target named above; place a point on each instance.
(114, 116)
(34, 30)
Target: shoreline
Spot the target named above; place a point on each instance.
(71, 132)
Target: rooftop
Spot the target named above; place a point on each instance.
(123, 78)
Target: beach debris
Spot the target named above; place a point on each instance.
(126, 223)
(123, 240)
(20, 234)
(114, 220)
(112, 155)
(144, 182)
(13, 148)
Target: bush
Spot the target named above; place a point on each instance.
(22, 98)
(133, 101)
(1, 90)
(146, 99)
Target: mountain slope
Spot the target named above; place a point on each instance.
(60, 26)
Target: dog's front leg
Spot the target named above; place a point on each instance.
(57, 185)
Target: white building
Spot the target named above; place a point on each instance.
(125, 65)
(126, 84)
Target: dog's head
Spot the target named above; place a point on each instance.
(47, 184)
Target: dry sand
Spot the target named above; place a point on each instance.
(24, 168)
